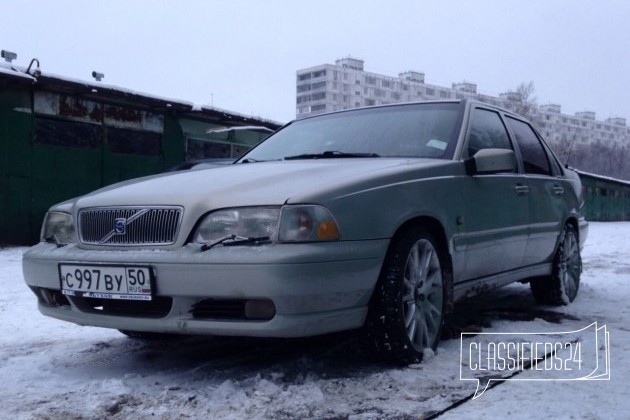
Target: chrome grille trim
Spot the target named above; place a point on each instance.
(155, 225)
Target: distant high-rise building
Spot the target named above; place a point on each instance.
(345, 85)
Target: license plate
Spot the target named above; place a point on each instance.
(124, 282)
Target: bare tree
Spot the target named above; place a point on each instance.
(602, 159)
(565, 147)
(594, 157)
(521, 100)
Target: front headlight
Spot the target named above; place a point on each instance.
(246, 222)
(299, 223)
(58, 228)
(307, 224)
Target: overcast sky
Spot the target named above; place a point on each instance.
(243, 55)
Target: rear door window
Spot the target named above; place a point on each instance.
(535, 159)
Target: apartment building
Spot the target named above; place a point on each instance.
(346, 84)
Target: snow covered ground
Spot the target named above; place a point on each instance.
(55, 370)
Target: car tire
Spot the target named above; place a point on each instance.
(561, 287)
(412, 298)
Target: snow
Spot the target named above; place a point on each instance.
(15, 71)
(56, 370)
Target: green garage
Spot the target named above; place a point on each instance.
(60, 138)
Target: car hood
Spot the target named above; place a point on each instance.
(265, 183)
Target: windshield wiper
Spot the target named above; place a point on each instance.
(252, 160)
(331, 154)
(232, 240)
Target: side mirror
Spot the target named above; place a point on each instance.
(490, 161)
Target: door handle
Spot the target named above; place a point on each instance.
(557, 189)
(521, 189)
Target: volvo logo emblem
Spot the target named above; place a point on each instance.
(120, 226)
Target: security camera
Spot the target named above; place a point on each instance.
(97, 76)
(8, 56)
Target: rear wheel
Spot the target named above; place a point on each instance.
(411, 299)
(562, 286)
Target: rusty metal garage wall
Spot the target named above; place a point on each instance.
(60, 139)
(80, 145)
(57, 146)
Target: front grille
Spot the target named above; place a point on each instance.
(129, 226)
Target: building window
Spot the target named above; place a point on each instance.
(304, 88)
(386, 84)
(370, 80)
(305, 76)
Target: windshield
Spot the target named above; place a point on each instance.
(414, 130)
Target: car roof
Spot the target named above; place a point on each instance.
(465, 102)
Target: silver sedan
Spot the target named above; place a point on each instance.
(378, 218)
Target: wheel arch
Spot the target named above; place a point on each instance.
(384, 330)
(435, 228)
(573, 221)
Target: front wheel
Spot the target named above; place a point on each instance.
(410, 301)
(562, 286)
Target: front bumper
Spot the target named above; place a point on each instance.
(315, 288)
